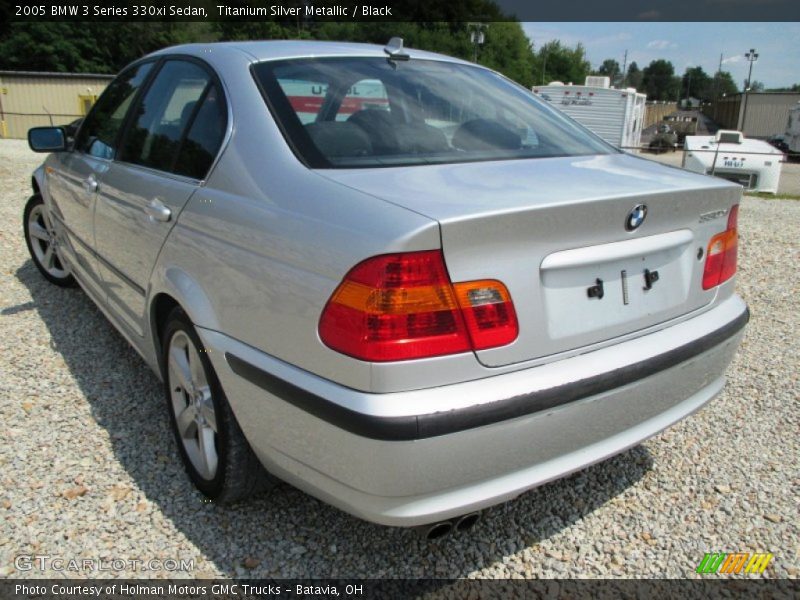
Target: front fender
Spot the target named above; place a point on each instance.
(38, 180)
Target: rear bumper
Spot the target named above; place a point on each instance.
(410, 458)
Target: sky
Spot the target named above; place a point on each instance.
(687, 45)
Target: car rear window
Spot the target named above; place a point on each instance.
(373, 112)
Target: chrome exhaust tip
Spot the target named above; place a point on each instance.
(437, 530)
(468, 521)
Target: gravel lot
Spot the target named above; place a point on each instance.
(88, 467)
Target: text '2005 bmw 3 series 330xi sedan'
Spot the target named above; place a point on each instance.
(394, 279)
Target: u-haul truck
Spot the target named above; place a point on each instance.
(792, 137)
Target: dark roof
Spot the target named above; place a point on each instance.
(52, 74)
(783, 93)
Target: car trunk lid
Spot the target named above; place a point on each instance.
(554, 232)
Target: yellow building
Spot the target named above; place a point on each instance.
(29, 99)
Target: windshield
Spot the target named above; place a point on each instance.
(372, 112)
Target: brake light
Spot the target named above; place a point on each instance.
(488, 313)
(721, 255)
(403, 306)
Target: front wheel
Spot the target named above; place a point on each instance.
(215, 453)
(43, 243)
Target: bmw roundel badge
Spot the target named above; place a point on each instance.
(636, 217)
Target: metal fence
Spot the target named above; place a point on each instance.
(768, 172)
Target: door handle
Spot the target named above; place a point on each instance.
(90, 184)
(157, 211)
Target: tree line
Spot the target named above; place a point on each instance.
(107, 47)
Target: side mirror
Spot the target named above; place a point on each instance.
(47, 139)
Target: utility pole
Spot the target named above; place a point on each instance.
(624, 69)
(688, 86)
(752, 57)
(544, 65)
(717, 80)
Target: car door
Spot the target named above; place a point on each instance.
(169, 144)
(74, 177)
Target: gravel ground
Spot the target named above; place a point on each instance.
(88, 467)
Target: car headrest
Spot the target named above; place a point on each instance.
(339, 138)
(485, 134)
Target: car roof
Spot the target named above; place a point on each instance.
(259, 51)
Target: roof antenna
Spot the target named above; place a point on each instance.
(395, 49)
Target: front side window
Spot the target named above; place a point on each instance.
(372, 112)
(164, 114)
(99, 132)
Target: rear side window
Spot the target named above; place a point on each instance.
(204, 137)
(99, 132)
(180, 106)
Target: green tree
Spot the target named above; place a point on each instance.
(756, 86)
(724, 85)
(634, 76)
(697, 84)
(610, 68)
(448, 38)
(659, 81)
(555, 62)
(792, 88)
(508, 50)
(107, 47)
(83, 47)
(45, 46)
(506, 47)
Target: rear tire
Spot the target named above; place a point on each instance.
(43, 244)
(215, 453)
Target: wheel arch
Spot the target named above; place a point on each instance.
(176, 288)
(37, 179)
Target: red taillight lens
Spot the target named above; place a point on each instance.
(403, 306)
(721, 255)
(488, 313)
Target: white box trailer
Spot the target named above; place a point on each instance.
(615, 115)
(792, 136)
(754, 164)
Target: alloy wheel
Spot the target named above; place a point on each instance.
(44, 243)
(193, 405)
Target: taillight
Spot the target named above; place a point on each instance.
(488, 313)
(721, 255)
(403, 306)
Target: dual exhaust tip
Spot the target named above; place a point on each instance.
(463, 523)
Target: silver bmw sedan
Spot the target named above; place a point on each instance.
(394, 279)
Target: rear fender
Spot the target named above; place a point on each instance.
(185, 291)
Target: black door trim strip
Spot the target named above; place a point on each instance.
(417, 427)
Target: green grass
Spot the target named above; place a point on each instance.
(768, 196)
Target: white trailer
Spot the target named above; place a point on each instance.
(792, 136)
(615, 115)
(754, 164)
